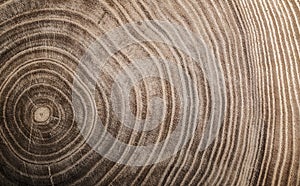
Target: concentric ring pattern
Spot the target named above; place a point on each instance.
(245, 109)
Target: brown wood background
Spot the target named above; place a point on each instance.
(256, 42)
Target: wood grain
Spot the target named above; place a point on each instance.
(256, 44)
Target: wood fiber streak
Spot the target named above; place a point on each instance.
(255, 42)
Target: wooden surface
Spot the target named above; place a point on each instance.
(255, 43)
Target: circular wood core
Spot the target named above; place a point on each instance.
(41, 114)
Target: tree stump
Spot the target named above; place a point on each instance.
(196, 92)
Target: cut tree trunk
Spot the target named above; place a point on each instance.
(88, 88)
